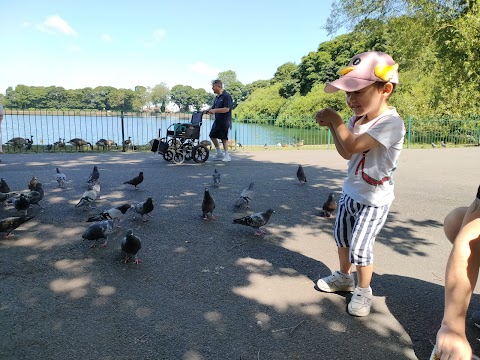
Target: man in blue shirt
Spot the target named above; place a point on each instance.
(222, 108)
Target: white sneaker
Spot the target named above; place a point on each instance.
(218, 157)
(361, 302)
(227, 158)
(336, 282)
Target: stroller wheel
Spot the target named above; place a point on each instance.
(168, 155)
(178, 158)
(200, 153)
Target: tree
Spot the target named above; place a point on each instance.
(284, 72)
(183, 96)
(160, 94)
(140, 98)
(227, 77)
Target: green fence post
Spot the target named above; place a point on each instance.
(235, 131)
(328, 138)
(123, 131)
(409, 132)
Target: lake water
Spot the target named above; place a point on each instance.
(47, 129)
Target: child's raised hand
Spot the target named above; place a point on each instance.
(326, 117)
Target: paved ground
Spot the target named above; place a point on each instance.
(212, 290)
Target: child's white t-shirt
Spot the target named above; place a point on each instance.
(370, 181)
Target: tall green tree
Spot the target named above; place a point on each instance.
(160, 95)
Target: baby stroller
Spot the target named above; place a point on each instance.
(182, 142)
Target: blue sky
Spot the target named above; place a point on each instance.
(77, 44)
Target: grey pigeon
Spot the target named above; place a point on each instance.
(131, 245)
(94, 176)
(144, 208)
(36, 194)
(60, 178)
(33, 183)
(443, 144)
(246, 196)
(21, 203)
(301, 175)
(256, 220)
(111, 214)
(329, 206)
(99, 230)
(216, 178)
(4, 188)
(9, 224)
(87, 199)
(208, 205)
(6, 196)
(137, 180)
(434, 145)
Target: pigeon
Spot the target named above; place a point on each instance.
(144, 208)
(256, 220)
(246, 196)
(131, 244)
(60, 178)
(208, 205)
(99, 230)
(434, 145)
(33, 183)
(216, 178)
(6, 196)
(329, 206)
(443, 144)
(137, 180)
(87, 199)
(21, 203)
(4, 188)
(94, 176)
(9, 224)
(265, 147)
(301, 175)
(95, 187)
(111, 214)
(36, 194)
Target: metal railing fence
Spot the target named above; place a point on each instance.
(44, 130)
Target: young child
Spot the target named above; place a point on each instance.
(372, 142)
(462, 228)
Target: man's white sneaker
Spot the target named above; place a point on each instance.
(227, 158)
(361, 302)
(218, 157)
(336, 282)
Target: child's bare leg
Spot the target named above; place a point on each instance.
(344, 259)
(364, 275)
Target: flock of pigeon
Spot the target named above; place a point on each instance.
(259, 219)
(107, 222)
(103, 224)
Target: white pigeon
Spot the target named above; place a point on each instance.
(60, 178)
(87, 199)
(246, 196)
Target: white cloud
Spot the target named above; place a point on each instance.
(55, 23)
(159, 34)
(203, 69)
(106, 38)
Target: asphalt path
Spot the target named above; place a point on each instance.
(211, 289)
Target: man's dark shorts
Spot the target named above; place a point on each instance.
(219, 130)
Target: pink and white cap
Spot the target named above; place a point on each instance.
(363, 70)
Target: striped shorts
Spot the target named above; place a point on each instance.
(356, 227)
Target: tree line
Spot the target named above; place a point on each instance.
(435, 43)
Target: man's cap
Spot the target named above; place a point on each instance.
(363, 70)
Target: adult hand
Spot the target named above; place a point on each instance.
(452, 345)
(327, 116)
